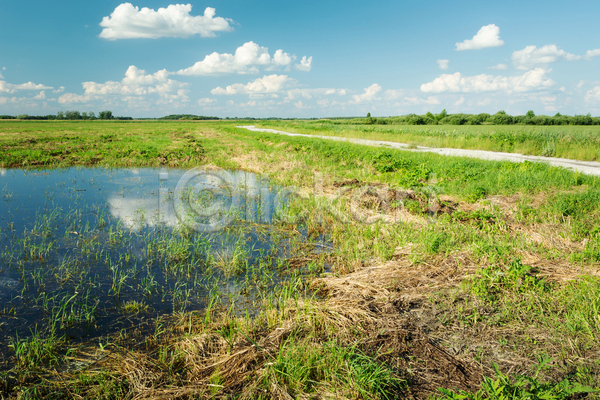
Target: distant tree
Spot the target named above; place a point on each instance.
(72, 115)
(105, 115)
(91, 115)
(60, 115)
(441, 115)
(22, 116)
(483, 117)
(530, 114)
(501, 118)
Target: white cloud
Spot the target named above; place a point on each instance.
(500, 67)
(459, 101)
(592, 53)
(1, 77)
(250, 103)
(393, 94)
(484, 102)
(327, 103)
(456, 83)
(531, 56)
(136, 83)
(40, 96)
(487, 36)
(317, 92)
(443, 64)
(31, 86)
(266, 84)
(12, 88)
(73, 98)
(431, 100)
(136, 76)
(59, 90)
(305, 64)
(205, 101)
(281, 58)
(246, 60)
(593, 95)
(129, 22)
(299, 105)
(368, 95)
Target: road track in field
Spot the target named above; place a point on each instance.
(585, 167)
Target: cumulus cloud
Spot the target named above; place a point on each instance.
(459, 101)
(393, 94)
(456, 83)
(281, 58)
(500, 67)
(431, 100)
(300, 105)
(129, 22)
(305, 64)
(443, 64)
(40, 96)
(531, 56)
(592, 53)
(59, 90)
(135, 83)
(293, 94)
(247, 59)
(593, 95)
(12, 88)
(72, 98)
(267, 84)
(1, 77)
(487, 36)
(368, 95)
(205, 101)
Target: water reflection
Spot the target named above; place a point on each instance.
(97, 238)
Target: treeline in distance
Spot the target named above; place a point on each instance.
(70, 115)
(500, 118)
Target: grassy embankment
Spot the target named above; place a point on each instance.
(499, 269)
(574, 142)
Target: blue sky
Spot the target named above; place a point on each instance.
(299, 59)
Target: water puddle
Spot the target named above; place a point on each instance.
(86, 252)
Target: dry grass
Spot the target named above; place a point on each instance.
(368, 309)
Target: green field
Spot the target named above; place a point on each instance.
(441, 277)
(565, 141)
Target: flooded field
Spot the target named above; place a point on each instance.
(87, 252)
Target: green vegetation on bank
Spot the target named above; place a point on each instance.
(73, 115)
(574, 142)
(192, 117)
(487, 287)
(500, 118)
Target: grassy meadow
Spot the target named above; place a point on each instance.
(578, 142)
(436, 277)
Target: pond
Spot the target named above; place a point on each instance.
(87, 252)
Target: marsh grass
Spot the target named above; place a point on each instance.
(574, 142)
(500, 270)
